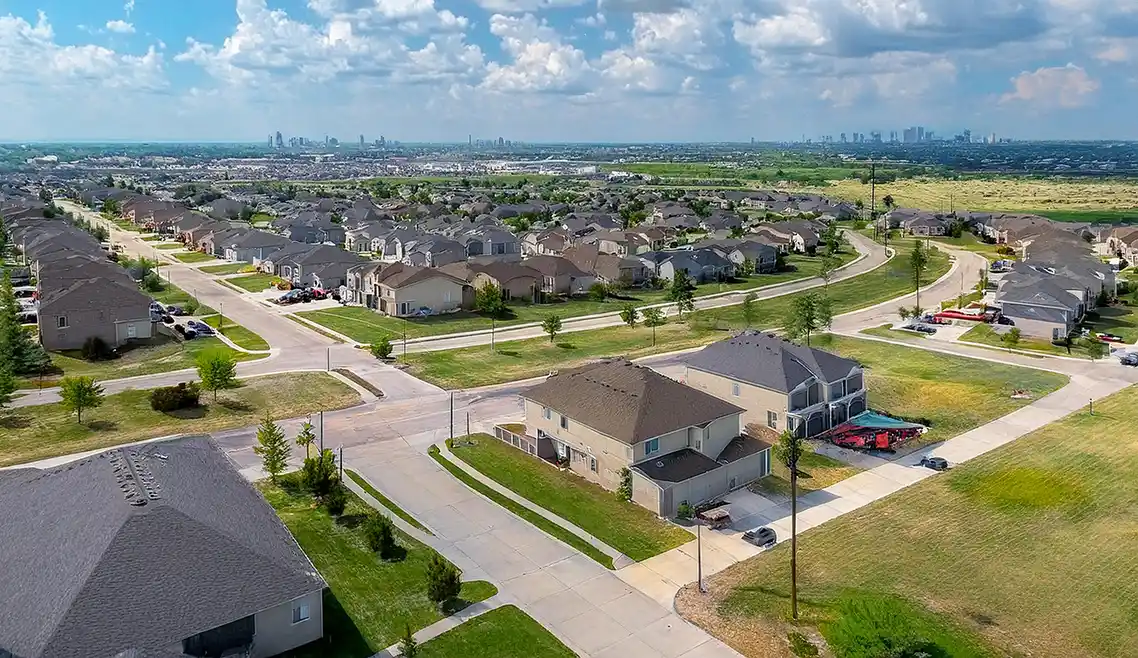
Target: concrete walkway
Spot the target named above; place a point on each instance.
(583, 604)
(447, 623)
(619, 559)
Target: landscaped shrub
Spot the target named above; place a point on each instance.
(152, 283)
(443, 581)
(684, 511)
(380, 535)
(336, 500)
(170, 398)
(96, 349)
(624, 491)
(800, 646)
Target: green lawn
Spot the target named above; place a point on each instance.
(521, 359)
(240, 336)
(166, 355)
(170, 246)
(1093, 216)
(815, 472)
(374, 600)
(385, 501)
(951, 394)
(548, 527)
(253, 282)
(48, 430)
(228, 268)
(366, 326)
(983, 334)
(152, 238)
(627, 527)
(971, 242)
(504, 632)
(1020, 552)
(194, 257)
(1119, 320)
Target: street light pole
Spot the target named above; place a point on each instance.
(452, 415)
(699, 558)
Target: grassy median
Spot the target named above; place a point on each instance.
(504, 632)
(240, 336)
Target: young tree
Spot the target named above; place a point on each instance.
(7, 386)
(273, 447)
(443, 580)
(380, 535)
(624, 489)
(905, 312)
(488, 299)
(1011, 339)
(79, 393)
(17, 349)
(748, 268)
(1097, 349)
(319, 474)
(629, 315)
(598, 292)
(789, 450)
(306, 438)
(832, 239)
(382, 348)
(918, 263)
(217, 370)
(809, 312)
(887, 200)
(750, 309)
(827, 268)
(408, 647)
(682, 292)
(654, 317)
(552, 326)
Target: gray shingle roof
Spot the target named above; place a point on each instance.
(87, 574)
(628, 402)
(769, 361)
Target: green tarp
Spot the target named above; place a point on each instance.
(874, 420)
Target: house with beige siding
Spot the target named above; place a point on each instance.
(406, 290)
(779, 384)
(680, 444)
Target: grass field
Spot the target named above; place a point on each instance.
(152, 238)
(240, 336)
(384, 500)
(1017, 553)
(982, 334)
(254, 282)
(521, 359)
(1062, 200)
(815, 472)
(627, 527)
(548, 527)
(170, 246)
(971, 242)
(887, 331)
(195, 257)
(366, 326)
(372, 600)
(228, 268)
(165, 356)
(504, 632)
(38, 432)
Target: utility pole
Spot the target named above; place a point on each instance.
(492, 348)
(341, 462)
(468, 424)
(452, 415)
(321, 431)
(328, 358)
(699, 558)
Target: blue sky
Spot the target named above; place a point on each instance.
(557, 70)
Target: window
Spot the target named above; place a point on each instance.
(772, 420)
(564, 423)
(593, 464)
(652, 446)
(299, 612)
(548, 413)
(735, 390)
(61, 322)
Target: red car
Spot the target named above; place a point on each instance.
(1110, 338)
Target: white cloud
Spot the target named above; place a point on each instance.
(1057, 86)
(30, 55)
(800, 27)
(128, 7)
(526, 6)
(541, 61)
(685, 36)
(121, 27)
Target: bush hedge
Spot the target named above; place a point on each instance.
(170, 398)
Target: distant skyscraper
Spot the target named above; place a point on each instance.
(361, 142)
(842, 137)
(920, 133)
(270, 141)
(382, 141)
(501, 142)
(280, 140)
(967, 136)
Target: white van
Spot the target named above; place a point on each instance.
(24, 292)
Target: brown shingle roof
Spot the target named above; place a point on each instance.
(628, 402)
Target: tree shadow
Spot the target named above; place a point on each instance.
(567, 346)
(342, 638)
(511, 353)
(398, 554)
(102, 425)
(351, 520)
(982, 619)
(15, 421)
(236, 405)
(457, 604)
(189, 413)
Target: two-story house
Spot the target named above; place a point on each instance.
(679, 443)
(781, 385)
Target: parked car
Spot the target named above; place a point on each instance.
(166, 319)
(201, 328)
(923, 328)
(935, 463)
(1110, 338)
(317, 293)
(175, 310)
(180, 329)
(763, 537)
(1129, 359)
(28, 317)
(190, 334)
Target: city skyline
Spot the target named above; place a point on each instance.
(565, 70)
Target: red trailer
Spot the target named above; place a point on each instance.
(873, 431)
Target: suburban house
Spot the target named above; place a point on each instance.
(681, 445)
(406, 290)
(608, 268)
(800, 235)
(434, 251)
(317, 266)
(547, 242)
(762, 256)
(515, 280)
(253, 246)
(160, 549)
(71, 311)
(780, 385)
(360, 287)
(560, 276)
(700, 265)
